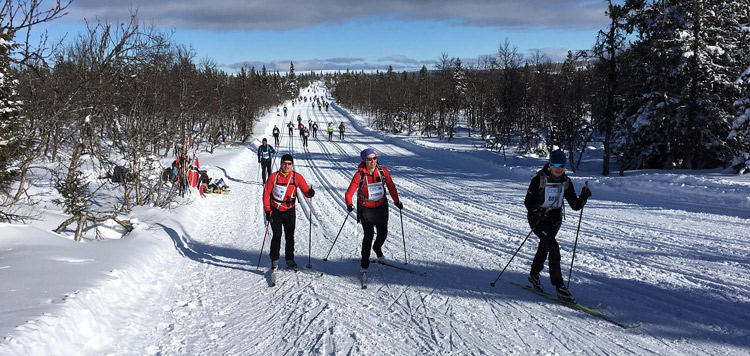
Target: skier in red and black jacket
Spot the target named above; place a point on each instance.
(544, 203)
(279, 197)
(369, 183)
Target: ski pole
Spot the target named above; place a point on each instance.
(268, 223)
(337, 237)
(309, 243)
(570, 272)
(514, 254)
(403, 237)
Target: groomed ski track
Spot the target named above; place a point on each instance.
(463, 219)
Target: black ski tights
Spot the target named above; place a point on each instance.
(548, 247)
(369, 230)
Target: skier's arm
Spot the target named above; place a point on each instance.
(267, 192)
(530, 201)
(353, 185)
(575, 202)
(302, 184)
(391, 187)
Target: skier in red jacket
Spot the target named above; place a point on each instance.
(279, 196)
(370, 182)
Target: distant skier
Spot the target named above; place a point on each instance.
(315, 129)
(276, 133)
(342, 128)
(290, 126)
(265, 153)
(330, 131)
(305, 136)
(285, 110)
(370, 182)
(544, 203)
(279, 197)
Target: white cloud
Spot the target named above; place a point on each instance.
(288, 14)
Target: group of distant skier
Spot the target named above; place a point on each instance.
(543, 202)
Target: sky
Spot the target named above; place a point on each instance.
(353, 34)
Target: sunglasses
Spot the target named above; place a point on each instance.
(558, 165)
(368, 159)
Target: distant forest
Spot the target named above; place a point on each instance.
(666, 86)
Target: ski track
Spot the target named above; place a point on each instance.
(213, 301)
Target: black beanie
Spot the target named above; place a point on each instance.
(557, 157)
(287, 157)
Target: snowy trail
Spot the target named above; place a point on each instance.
(683, 274)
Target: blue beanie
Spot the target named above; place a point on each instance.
(366, 152)
(557, 157)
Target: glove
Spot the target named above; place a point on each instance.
(258, 161)
(350, 208)
(311, 192)
(538, 214)
(399, 205)
(268, 216)
(585, 193)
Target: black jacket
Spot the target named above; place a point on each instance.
(535, 194)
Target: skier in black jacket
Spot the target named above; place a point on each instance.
(265, 156)
(544, 203)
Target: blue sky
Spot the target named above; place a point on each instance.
(354, 34)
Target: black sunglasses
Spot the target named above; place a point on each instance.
(368, 159)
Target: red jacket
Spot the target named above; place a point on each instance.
(364, 193)
(290, 196)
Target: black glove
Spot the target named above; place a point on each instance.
(258, 161)
(585, 193)
(399, 205)
(538, 214)
(311, 192)
(268, 216)
(350, 208)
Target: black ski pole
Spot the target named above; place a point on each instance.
(570, 272)
(268, 223)
(511, 259)
(403, 237)
(309, 242)
(514, 254)
(337, 237)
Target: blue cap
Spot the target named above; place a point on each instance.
(366, 152)
(557, 157)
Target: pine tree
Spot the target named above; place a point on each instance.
(291, 82)
(11, 147)
(740, 134)
(680, 104)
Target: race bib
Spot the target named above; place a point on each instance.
(279, 191)
(266, 155)
(553, 195)
(375, 191)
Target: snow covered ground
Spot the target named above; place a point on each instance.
(666, 249)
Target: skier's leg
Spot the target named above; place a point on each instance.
(290, 218)
(369, 231)
(380, 240)
(276, 223)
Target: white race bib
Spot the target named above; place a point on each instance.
(279, 191)
(375, 191)
(553, 195)
(266, 155)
